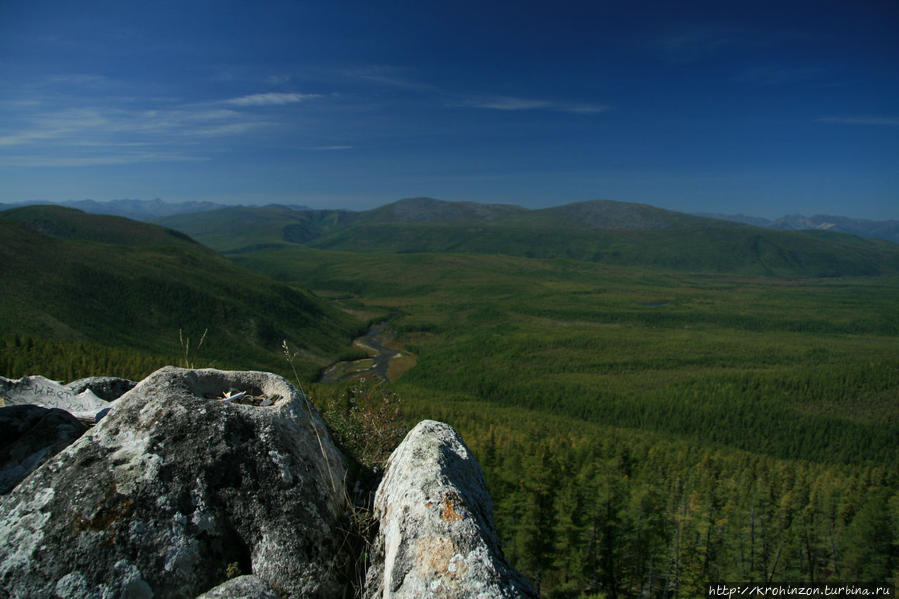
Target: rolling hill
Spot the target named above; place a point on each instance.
(245, 228)
(613, 233)
(111, 282)
(143, 210)
(429, 210)
(70, 223)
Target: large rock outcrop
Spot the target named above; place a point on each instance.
(437, 537)
(177, 485)
(40, 391)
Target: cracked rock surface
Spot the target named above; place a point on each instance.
(173, 486)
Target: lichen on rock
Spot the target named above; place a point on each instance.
(436, 533)
(172, 486)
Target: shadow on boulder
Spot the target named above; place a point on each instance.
(29, 436)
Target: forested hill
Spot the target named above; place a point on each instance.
(606, 232)
(69, 223)
(107, 282)
(242, 226)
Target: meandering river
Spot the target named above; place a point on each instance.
(376, 365)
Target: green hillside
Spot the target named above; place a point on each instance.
(743, 250)
(113, 283)
(605, 232)
(242, 227)
(609, 215)
(429, 210)
(69, 223)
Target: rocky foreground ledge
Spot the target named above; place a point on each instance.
(195, 477)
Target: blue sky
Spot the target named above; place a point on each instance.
(732, 107)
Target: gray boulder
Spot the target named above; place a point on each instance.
(108, 388)
(173, 486)
(29, 436)
(436, 533)
(40, 391)
(242, 587)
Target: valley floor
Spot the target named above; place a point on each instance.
(645, 432)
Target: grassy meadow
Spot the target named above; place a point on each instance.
(647, 431)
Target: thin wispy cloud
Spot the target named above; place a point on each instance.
(271, 99)
(694, 44)
(395, 78)
(99, 124)
(78, 79)
(388, 76)
(277, 79)
(691, 45)
(97, 160)
(106, 132)
(512, 104)
(772, 76)
(54, 126)
(864, 120)
(508, 104)
(584, 108)
(225, 130)
(28, 136)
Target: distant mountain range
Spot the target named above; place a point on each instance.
(423, 210)
(881, 229)
(424, 224)
(613, 233)
(143, 210)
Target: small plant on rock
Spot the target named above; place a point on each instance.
(187, 362)
(232, 571)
